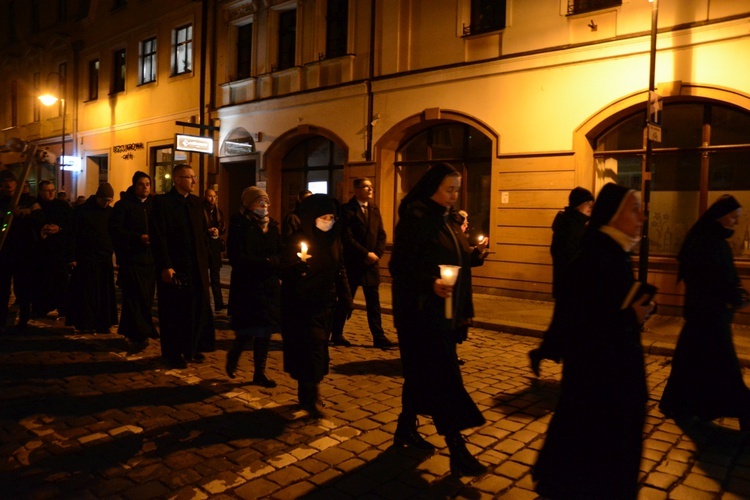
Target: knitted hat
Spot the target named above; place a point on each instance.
(105, 191)
(138, 175)
(579, 195)
(7, 174)
(252, 193)
(608, 204)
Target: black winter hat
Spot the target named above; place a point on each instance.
(608, 204)
(579, 195)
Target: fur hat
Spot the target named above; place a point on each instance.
(608, 204)
(105, 191)
(579, 195)
(252, 193)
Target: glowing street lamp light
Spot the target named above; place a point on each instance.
(50, 99)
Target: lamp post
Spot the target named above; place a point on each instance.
(646, 172)
(50, 99)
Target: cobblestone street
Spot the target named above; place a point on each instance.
(82, 419)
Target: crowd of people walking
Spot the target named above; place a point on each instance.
(298, 278)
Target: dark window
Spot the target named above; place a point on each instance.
(337, 24)
(147, 56)
(118, 76)
(464, 147)
(93, 79)
(704, 153)
(182, 50)
(486, 16)
(580, 6)
(11, 22)
(14, 103)
(244, 50)
(62, 10)
(316, 164)
(35, 16)
(287, 38)
(37, 80)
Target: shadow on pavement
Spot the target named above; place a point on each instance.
(51, 475)
(26, 372)
(385, 367)
(398, 472)
(533, 401)
(42, 341)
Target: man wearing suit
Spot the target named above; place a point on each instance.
(179, 242)
(363, 238)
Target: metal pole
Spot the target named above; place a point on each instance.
(63, 85)
(646, 171)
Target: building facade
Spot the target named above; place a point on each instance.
(527, 99)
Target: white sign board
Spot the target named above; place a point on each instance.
(194, 143)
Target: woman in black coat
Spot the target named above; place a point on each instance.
(312, 283)
(706, 378)
(254, 248)
(427, 235)
(594, 441)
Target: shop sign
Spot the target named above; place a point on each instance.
(194, 143)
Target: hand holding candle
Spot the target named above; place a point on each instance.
(449, 275)
(302, 254)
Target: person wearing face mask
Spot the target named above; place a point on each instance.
(313, 280)
(706, 378)
(254, 249)
(594, 440)
(428, 234)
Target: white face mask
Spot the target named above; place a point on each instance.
(261, 212)
(324, 225)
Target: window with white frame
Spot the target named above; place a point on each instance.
(147, 61)
(182, 50)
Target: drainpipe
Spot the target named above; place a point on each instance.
(368, 83)
(202, 93)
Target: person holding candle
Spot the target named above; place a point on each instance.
(313, 281)
(254, 251)
(428, 235)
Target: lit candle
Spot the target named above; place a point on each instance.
(449, 275)
(302, 254)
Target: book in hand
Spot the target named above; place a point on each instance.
(639, 293)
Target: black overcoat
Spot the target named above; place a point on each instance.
(360, 234)
(254, 288)
(179, 240)
(706, 377)
(52, 256)
(425, 237)
(214, 218)
(594, 440)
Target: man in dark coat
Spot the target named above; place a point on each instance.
(363, 237)
(15, 265)
(216, 230)
(93, 304)
(129, 227)
(53, 252)
(179, 243)
(594, 441)
(567, 233)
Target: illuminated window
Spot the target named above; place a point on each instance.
(147, 61)
(687, 175)
(182, 50)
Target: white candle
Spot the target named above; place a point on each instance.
(302, 254)
(449, 275)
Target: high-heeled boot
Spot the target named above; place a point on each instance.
(233, 356)
(260, 355)
(462, 462)
(407, 435)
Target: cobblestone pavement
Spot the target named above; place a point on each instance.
(80, 418)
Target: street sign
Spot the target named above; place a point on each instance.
(655, 107)
(194, 143)
(654, 132)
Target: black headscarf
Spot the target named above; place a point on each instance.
(608, 204)
(313, 207)
(427, 185)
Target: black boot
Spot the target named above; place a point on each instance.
(462, 462)
(233, 356)
(307, 392)
(260, 355)
(407, 435)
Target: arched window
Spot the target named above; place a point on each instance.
(316, 164)
(704, 153)
(462, 146)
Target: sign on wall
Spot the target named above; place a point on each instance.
(194, 143)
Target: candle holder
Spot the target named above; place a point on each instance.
(449, 275)
(302, 254)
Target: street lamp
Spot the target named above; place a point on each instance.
(50, 99)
